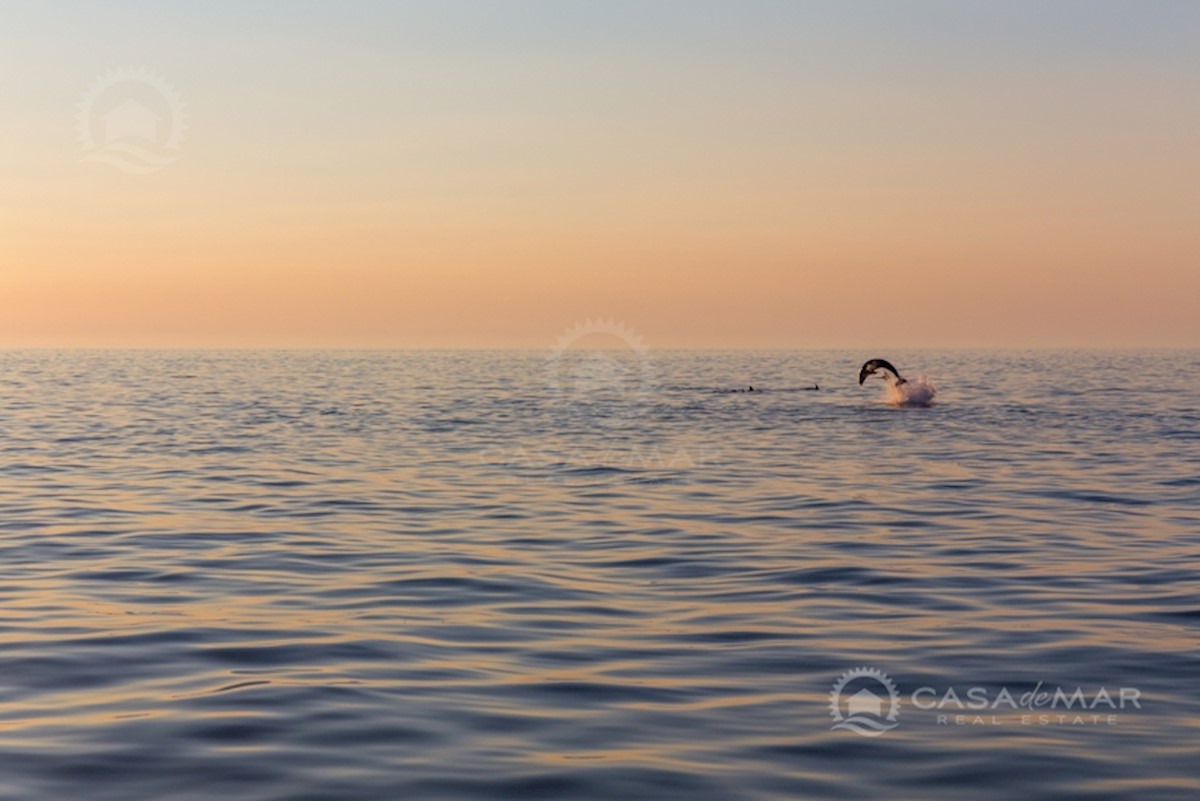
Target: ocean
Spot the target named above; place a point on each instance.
(578, 574)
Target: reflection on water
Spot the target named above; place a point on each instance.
(426, 575)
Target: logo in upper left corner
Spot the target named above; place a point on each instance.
(131, 119)
(871, 702)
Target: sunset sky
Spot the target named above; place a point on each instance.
(710, 174)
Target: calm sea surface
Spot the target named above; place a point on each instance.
(585, 575)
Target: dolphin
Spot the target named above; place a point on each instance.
(874, 365)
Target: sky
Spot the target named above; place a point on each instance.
(706, 174)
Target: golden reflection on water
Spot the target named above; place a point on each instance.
(334, 561)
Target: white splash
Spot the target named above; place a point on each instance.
(917, 392)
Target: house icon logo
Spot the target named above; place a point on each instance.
(131, 119)
(865, 701)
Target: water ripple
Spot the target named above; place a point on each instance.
(381, 575)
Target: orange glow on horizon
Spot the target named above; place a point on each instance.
(777, 192)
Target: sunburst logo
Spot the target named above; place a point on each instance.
(865, 701)
(600, 369)
(131, 119)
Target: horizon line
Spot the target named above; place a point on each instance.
(534, 349)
